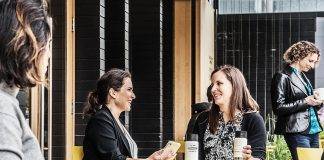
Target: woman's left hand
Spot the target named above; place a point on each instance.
(247, 153)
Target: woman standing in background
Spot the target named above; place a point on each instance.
(293, 100)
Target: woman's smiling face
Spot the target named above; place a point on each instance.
(125, 95)
(222, 89)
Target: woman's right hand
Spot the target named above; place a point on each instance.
(160, 155)
(310, 100)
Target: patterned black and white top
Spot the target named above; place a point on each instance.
(219, 146)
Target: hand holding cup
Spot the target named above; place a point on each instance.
(319, 94)
(312, 101)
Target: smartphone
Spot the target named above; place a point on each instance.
(171, 146)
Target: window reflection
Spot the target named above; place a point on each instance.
(269, 6)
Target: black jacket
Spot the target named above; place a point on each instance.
(103, 139)
(252, 123)
(288, 95)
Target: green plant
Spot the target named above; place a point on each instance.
(280, 149)
(321, 135)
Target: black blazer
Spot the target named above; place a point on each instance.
(252, 123)
(288, 95)
(103, 139)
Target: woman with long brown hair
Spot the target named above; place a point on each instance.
(233, 109)
(25, 35)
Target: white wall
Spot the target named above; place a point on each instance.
(319, 41)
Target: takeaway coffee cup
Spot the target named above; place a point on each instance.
(319, 94)
(240, 141)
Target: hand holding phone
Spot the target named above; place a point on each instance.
(171, 147)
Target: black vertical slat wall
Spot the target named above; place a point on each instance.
(255, 43)
(100, 46)
(146, 122)
(138, 37)
(167, 70)
(87, 56)
(117, 38)
(115, 34)
(58, 88)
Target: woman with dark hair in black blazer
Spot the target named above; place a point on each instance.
(106, 138)
(293, 99)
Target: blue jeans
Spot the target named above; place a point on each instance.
(295, 140)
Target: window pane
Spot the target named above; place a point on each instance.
(231, 6)
(320, 5)
(221, 4)
(258, 6)
(252, 6)
(294, 6)
(286, 6)
(277, 6)
(269, 6)
(308, 5)
(237, 5)
(228, 6)
(245, 6)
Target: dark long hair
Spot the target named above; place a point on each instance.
(240, 99)
(114, 78)
(24, 34)
(209, 93)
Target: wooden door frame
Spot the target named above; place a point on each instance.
(182, 67)
(183, 54)
(35, 118)
(69, 78)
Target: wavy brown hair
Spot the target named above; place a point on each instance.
(241, 98)
(24, 34)
(299, 51)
